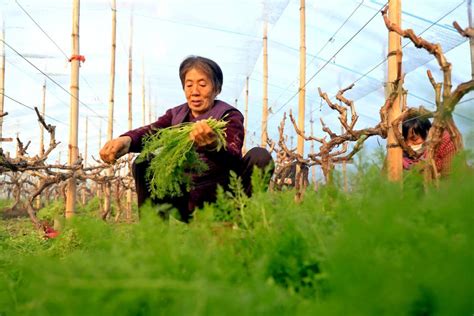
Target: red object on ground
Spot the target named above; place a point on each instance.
(50, 232)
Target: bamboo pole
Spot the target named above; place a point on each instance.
(143, 91)
(344, 176)
(130, 66)
(471, 40)
(128, 211)
(386, 90)
(149, 103)
(155, 108)
(85, 160)
(97, 185)
(110, 131)
(301, 94)
(394, 151)
(246, 113)
(38, 198)
(2, 78)
(73, 127)
(302, 89)
(265, 87)
(85, 143)
(100, 134)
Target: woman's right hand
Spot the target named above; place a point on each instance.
(115, 149)
(202, 134)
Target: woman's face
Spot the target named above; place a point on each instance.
(414, 139)
(199, 91)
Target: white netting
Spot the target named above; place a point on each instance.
(346, 42)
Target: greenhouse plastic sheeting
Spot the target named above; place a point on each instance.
(346, 42)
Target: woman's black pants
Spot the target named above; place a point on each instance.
(255, 157)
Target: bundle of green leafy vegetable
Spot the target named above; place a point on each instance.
(173, 157)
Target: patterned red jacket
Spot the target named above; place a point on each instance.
(445, 154)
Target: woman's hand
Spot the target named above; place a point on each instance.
(115, 149)
(202, 134)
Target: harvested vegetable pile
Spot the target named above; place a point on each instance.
(173, 158)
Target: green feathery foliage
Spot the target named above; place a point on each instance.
(173, 157)
(380, 249)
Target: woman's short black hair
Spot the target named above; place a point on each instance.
(418, 123)
(206, 65)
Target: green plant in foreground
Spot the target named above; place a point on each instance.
(230, 205)
(382, 249)
(173, 157)
(51, 211)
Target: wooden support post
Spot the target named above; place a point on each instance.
(394, 151)
(38, 198)
(130, 66)
(100, 134)
(74, 117)
(98, 187)
(2, 77)
(302, 89)
(301, 93)
(471, 40)
(246, 114)
(110, 131)
(149, 103)
(128, 211)
(85, 142)
(143, 92)
(83, 193)
(265, 88)
(155, 108)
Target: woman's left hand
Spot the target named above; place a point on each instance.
(202, 134)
